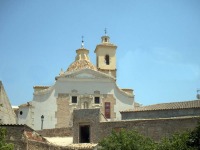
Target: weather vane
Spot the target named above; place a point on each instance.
(82, 44)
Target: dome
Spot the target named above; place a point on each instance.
(81, 64)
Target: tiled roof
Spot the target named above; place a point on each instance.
(167, 106)
(82, 146)
(81, 64)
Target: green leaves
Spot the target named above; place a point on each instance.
(132, 140)
(126, 140)
(3, 144)
(194, 138)
(178, 141)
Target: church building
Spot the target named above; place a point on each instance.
(82, 86)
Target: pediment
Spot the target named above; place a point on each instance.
(85, 75)
(88, 74)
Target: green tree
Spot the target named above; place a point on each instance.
(126, 140)
(3, 144)
(177, 141)
(194, 138)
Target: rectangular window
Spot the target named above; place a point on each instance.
(107, 110)
(96, 100)
(74, 99)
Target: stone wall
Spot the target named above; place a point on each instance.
(57, 132)
(89, 117)
(15, 135)
(112, 100)
(7, 115)
(63, 114)
(160, 113)
(153, 128)
(25, 138)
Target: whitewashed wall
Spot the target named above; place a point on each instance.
(44, 103)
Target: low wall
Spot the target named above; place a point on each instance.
(57, 132)
(22, 137)
(33, 145)
(153, 128)
(15, 135)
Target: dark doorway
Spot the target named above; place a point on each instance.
(84, 136)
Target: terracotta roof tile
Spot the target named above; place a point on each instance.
(82, 146)
(81, 64)
(165, 106)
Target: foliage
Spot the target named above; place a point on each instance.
(3, 144)
(178, 141)
(194, 139)
(132, 140)
(126, 140)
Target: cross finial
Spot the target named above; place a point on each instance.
(105, 31)
(82, 44)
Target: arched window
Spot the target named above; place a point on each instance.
(107, 59)
(106, 40)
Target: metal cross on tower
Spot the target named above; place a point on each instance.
(82, 44)
(105, 31)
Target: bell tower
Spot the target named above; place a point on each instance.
(106, 56)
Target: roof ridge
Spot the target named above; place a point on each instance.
(168, 106)
(172, 103)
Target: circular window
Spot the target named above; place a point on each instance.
(21, 112)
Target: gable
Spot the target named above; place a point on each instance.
(85, 74)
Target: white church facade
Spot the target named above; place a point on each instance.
(82, 86)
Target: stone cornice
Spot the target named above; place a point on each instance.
(86, 74)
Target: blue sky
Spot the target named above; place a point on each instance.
(158, 41)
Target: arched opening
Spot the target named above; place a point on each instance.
(107, 59)
(106, 40)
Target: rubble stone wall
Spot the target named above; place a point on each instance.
(57, 132)
(153, 128)
(89, 117)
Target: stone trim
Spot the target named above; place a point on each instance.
(63, 114)
(108, 98)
